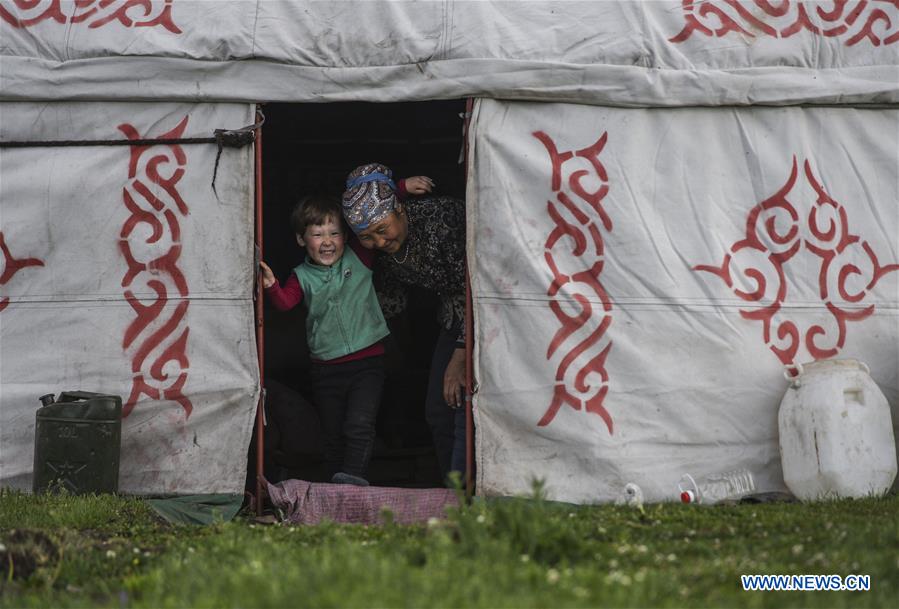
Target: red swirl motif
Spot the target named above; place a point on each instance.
(579, 346)
(150, 241)
(96, 13)
(11, 266)
(853, 21)
(847, 269)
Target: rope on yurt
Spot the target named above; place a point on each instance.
(223, 138)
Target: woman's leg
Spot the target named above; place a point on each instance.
(458, 460)
(440, 417)
(363, 400)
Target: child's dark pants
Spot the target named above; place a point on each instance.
(347, 397)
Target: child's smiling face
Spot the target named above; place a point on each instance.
(324, 243)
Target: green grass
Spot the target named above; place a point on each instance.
(112, 552)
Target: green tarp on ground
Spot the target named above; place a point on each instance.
(198, 509)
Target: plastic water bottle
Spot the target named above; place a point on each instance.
(633, 495)
(717, 487)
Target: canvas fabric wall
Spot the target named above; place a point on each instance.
(124, 273)
(641, 279)
(629, 52)
(682, 185)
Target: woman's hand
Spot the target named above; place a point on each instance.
(454, 380)
(268, 278)
(419, 185)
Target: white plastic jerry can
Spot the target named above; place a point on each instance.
(836, 435)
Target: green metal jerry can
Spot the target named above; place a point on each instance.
(76, 443)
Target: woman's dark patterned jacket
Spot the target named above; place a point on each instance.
(432, 257)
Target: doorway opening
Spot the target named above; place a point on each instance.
(310, 148)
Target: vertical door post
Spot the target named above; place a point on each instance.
(260, 337)
(469, 333)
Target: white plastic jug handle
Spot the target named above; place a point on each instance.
(864, 367)
(792, 372)
(687, 483)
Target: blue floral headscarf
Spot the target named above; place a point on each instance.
(369, 197)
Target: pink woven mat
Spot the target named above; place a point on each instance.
(311, 502)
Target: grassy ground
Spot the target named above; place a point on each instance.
(64, 551)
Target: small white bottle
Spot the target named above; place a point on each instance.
(633, 495)
(717, 487)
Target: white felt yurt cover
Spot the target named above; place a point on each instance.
(642, 278)
(620, 52)
(124, 273)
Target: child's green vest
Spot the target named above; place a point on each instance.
(343, 314)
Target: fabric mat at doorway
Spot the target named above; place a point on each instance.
(309, 503)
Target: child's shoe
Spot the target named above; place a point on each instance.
(342, 478)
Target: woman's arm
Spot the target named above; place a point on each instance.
(450, 232)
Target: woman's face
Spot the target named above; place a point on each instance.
(388, 235)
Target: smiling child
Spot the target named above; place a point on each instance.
(344, 330)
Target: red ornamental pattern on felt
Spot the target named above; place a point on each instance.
(776, 232)
(852, 21)
(11, 266)
(150, 241)
(94, 13)
(574, 255)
